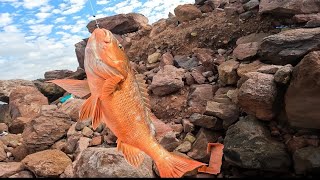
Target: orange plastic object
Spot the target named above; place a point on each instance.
(216, 151)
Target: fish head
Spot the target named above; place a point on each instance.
(108, 49)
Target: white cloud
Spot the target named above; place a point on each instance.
(103, 2)
(5, 19)
(42, 15)
(30, 4)
(72, 6)
(60, 20)
(41, 29)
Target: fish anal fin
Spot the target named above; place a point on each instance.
(133, 155)
(91, 108)
(79, 88)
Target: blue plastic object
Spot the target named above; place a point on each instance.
(65, 98)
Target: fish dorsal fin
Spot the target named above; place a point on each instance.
(142, 86)
(79, 88)
(133, 155)
(92, 109)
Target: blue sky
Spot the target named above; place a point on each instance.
(39, 35)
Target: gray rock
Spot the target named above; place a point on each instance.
(205, 121)
(248, 144)
(185, 62)
(269, 69)
(184, 147)
(307, 160)
(258, 94)
(57, 74)
(22, 174)
(169, 141)
(251, 5)
(283, 75)
(302, 98)
(168, 80)
(80, 51)
(289, 47)
(109, 162)
(50, 90)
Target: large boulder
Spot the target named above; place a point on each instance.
(258, 94)
(248, 144)
(80, 51)
(168, 80)
(120, 23)
(289, 47)
(6, 86)
(307, 160)
(26, 101)
(50, 90)
(5, 114)
(48, 163)
(57, 74)
(289, 7)
(187, 12)
(302, 98)
(43, 131)
(10, 168)
(109, 162)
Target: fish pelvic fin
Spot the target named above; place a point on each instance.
(175, 166)
(92, 109)
(79, 88)
(133, 155)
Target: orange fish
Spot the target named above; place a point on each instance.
(119, 98)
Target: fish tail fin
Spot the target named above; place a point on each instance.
(176, 166)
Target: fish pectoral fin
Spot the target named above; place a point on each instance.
(110, 85)
(79, 88)
(92, 109)
(133, 155)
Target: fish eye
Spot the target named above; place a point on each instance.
(120, 46)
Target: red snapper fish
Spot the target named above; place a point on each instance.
(119, 98)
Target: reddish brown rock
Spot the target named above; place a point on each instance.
(22, 174)
(302, 98)
(254, 37)
(296, 143)
(199, 95)
(246, 51)
(197, 76)
(166, 59)
(26, 101)
(289, 7)
(7, 86)
(10, 168)
(120, 23)
(257, 96)
(48, 163)
(3, 154)
(168, 80)
(205, 56)
(187, 12)
(72, 108)
(57, 74)
(96, 141)
(20, 152)
(18, 124)
(228, 72)
(80, 52)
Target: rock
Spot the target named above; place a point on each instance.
(252, 4)
(283, 75)
(185, 62)
(120, 23)
(109, 162)
(289, 7)
(3, 127)
(26, 101)
(227, 111)
(269, 69)
(11, 140)
(246, 51)
(6, 86)
(168, 80)
(50, 90)
(254, 37)
(251, 67)
(197, 76)
(5, 114)
(296, 143)
(189, 137)
(20, 152)
(302, 97)
(184, 147)
(166, 59)
(87, 132)
(68, 172)
(257, 96)
(72, 142)
(187, 12)
(22, 174)
(10, 168)
(57, 74)
(60, 145)
(288, 47)
(169, 141)
(96, 141)
(17, 126)
(158, 27)
(44, 130)
(199, 147)
(228, 72)
(187, 126)
(306, 160)
(199, 95)
(200, 2)
(246, 15)
(3, 155)
(206, 8)
(80, 51)
(48, 163)
(248, 144)
(153, 58)
(72, 108)
(205, 121)
(205, 56)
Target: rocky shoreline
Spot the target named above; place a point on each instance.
(244, 73)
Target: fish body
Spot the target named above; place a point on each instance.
(119, 98)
